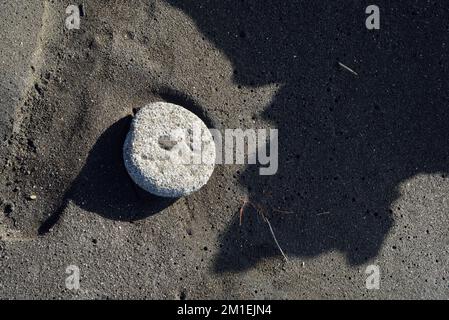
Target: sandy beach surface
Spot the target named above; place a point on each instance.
(363, 155)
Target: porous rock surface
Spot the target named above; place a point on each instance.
(169, 151)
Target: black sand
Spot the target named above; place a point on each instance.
(363, 158)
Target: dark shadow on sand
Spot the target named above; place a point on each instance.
(104, 186)
(345, 142)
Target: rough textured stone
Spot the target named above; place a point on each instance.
(169, 151)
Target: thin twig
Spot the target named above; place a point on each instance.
(242, 209)
(282, 211)
(323, 213)
(260, 210)
(275, 240)
(347, 68)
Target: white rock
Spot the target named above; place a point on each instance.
(169, 151)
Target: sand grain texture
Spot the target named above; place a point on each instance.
(370, 150)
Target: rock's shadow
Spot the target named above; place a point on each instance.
(104, 186)
(345, 142)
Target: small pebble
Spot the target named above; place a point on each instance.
(33, 197)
